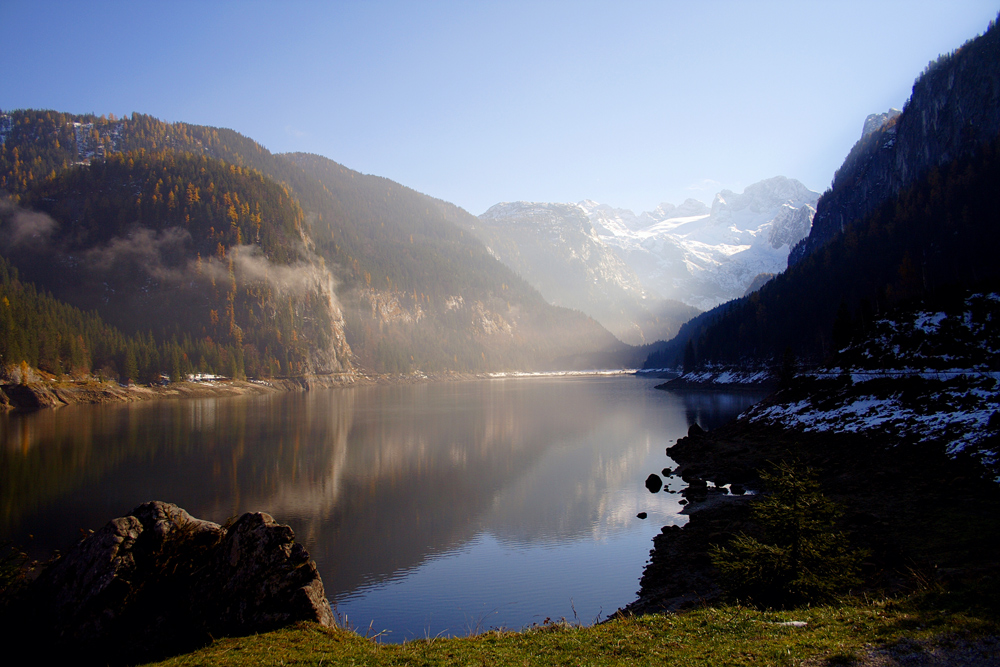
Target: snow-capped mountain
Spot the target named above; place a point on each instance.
(613, 264)
(557, 250)
(705, 256)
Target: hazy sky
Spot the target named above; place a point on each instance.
(627, 103)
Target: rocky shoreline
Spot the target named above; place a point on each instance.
(46, 392)
(922, 511)
(724, 377)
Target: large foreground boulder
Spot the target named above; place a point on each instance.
(159, 581)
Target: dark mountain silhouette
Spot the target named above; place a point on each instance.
(911, 215)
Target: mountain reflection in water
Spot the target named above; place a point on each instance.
(414, 500)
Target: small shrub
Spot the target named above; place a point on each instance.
(800, 558)
(14, 566)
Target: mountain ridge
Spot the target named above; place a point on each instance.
(936, 236)
(633, 272)
(395, 304)
(953, 109)
(704, 255)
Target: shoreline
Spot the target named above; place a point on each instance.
(35, 396)
(854, 468)
(722, 378)
(924, 512)
(48, 393)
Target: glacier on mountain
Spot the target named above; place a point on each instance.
(702, 255)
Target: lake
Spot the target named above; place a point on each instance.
(431, 510)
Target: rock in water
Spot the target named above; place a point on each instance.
(160, 581)
(654, 483)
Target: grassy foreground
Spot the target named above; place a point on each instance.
(728, 635)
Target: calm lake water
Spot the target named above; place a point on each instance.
(433, 509)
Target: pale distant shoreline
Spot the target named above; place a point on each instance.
(49, 393)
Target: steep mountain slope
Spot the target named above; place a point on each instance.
(185, 246)
(555, 248)
(705, 256)
(420, 292)
(936, 237)
(954, 109)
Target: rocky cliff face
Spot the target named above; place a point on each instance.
(329, 352)
(791, 225)
(874, 122)
(954, 109)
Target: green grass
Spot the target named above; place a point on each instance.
(729, 635)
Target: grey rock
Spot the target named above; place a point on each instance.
(259, 577)
(28, 398)
(790, 226)
(158, 581)
(875, 121)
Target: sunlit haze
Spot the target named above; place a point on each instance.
(630, 104)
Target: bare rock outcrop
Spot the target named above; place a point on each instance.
(159, 581)
(27, 398)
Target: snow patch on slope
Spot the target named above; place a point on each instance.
(959, 416)
(704, 255)
(918, 375)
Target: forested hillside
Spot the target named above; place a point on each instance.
(201, 235)
(954, 109)
(173, 245)
(39, 331)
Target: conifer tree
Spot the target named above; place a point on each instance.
(800, 557)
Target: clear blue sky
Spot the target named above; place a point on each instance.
(627, 103)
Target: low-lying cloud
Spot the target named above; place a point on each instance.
(251, 266)
(165, 256)
(21, 228)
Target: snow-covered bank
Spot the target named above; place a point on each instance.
(929, 373)
(723, 377)
(534, 374)
(961, 410)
